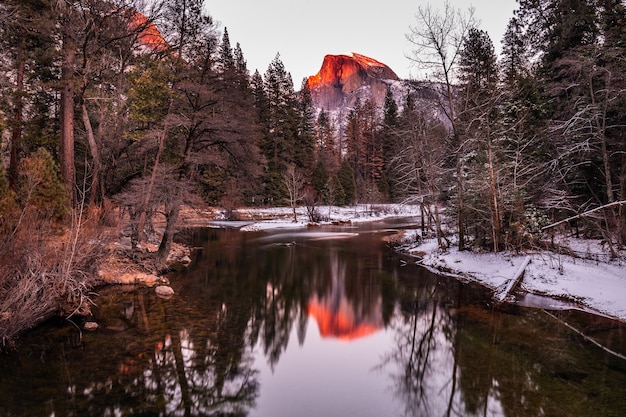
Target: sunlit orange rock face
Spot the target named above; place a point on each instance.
(342, 76)
(149, 35)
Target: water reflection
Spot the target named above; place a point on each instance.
(453, 357)
(238, 340)
(340, 317)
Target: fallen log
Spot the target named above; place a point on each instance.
(513, 282)
(586, 213)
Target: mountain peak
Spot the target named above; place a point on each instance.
(149, 35)
(367, 61)
(341, 76)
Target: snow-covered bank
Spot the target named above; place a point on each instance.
(282, 217)
(593, 281)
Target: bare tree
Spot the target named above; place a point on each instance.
(293, 180)
(438, 37)
(419, 166)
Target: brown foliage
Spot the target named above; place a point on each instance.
(47, 256)
(45, 271)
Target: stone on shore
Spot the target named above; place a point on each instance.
(128, 278)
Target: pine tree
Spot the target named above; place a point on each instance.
(261, 102)
(515, 63)
(8, 206)
(319, 178)
(241, 68)
(334, 194)
(327, 151)
(305, 143)
(226, 57)
(346, 179)
(279, 144)
(388, 135)
(479, 117)
(42, 187)
(354, 147)
(26, 37)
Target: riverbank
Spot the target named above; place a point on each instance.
(590, 279)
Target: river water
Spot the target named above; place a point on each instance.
(315, 322)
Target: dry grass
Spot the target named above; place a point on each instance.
(48, 269)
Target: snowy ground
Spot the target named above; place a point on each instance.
(282, 217)
(595, 283)
(591, 279)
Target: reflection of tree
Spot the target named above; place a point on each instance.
(425, 363)
(186, 383)
(282, 304)
(191, 372)
(421, 357)
(454, 357)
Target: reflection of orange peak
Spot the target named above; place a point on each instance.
(149, 34)
(339, 324)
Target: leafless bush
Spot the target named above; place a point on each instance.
(47, 270)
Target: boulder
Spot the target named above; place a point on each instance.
(90, 325)
(115, 276)
(164, 291)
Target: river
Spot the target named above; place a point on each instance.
(322, 321)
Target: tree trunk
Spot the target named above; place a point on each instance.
(148, 193)
(66, 116)
(495, 218)
(186, 402)
(16, 132)
(621, 214)
(96, 193)
(438, 228)
(459, 199)
(459, 170)
(168, 234)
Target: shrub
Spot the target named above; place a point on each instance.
(48, 252)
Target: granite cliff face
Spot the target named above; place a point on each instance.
(344, 78)
(149, 36)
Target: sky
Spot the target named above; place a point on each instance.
(304, 31)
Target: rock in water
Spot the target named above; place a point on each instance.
(90, 325)
(164, 291)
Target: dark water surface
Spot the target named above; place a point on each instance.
(315, 322)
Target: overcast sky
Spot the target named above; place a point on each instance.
(304, 31)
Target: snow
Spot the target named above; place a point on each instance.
(590, 279)
(596, 284)
(282, 217)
